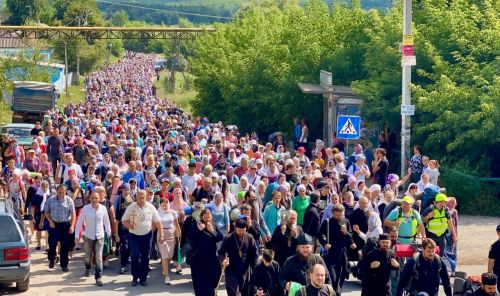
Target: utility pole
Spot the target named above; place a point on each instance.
(66, 70)
(406, 93)
(76, 80)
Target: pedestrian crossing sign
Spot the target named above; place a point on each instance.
(348, 127)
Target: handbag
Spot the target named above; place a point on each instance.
(106, 250)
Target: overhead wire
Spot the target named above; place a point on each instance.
(165, 10)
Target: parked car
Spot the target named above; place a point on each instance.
(20, 131)
(15, 257)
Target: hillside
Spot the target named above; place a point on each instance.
(198, 11)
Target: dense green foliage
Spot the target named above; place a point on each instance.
(19, 68)
(247, 72)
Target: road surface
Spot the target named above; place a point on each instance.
(476, 234)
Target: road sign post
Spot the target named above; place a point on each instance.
(408, 59)
(348, 127)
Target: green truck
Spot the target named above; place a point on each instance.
(31, 99)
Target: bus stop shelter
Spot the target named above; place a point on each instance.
(337, 100)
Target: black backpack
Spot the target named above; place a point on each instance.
(415, 276)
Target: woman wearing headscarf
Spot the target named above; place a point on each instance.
(374, 227)
(393, 183)
(424, 182)
(220, 213)
(38, 202)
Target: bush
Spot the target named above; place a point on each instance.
(474, 196)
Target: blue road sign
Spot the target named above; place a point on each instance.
(348, 127)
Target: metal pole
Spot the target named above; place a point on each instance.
(66, 70)
(406, 94)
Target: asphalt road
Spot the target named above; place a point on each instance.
(55, 282)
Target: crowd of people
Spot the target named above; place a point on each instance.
(131, 175)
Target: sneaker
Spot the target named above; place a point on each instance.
(51, 265)
(38, 248)
(123, 270)
(98, 282)
(134, 283)
(87, 272)
(65, 269)
(126, 268)
(143, 283)
(167, 280)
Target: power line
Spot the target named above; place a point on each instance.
(166, 10)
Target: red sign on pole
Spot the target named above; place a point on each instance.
(408, 50)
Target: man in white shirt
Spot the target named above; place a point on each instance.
(97, 224)
(66, 166)
(252, 176)
(190, 180)
(139, 218)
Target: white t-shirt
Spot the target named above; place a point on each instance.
(167, 218)
(142, 217)
(190, 182)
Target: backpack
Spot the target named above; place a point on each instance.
(467, 286)
(429, 195)
(331, 292)
(415, 275)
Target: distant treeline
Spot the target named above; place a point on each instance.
(221, 8)
(205, 7)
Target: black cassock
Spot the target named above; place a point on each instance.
(377, 281)
(284, 245)
(243, 255)
(205, 266)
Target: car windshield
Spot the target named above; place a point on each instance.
(17, 132)
(9, 232)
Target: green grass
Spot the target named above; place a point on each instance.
(181, 97)
(5, 113)
(76, 95)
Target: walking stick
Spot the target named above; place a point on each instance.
(220, 279)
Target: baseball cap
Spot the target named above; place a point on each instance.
(301, 149)
(407, 199)
(441, 197)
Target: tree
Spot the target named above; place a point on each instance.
(119, 18)
(20, 68)
(21, 11)
(459, 93)
(249, 69)
(83, 55)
